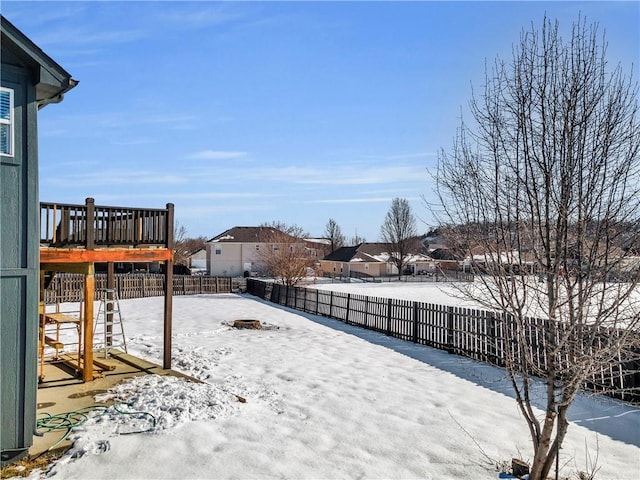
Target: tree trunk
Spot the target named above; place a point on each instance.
(541, 448)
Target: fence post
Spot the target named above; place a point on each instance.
(493, 339)
(91, 232)
(348, 302)
(330, 305)
(450, 347)
(366, 311)
(304, 304)
(389, 303)
(415, 322)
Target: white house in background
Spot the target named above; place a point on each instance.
(236, 252)
(198, 261)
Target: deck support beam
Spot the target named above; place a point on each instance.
(89, 296)
(168, 289)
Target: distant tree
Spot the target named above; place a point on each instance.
(549, 178)
(291, 229)
(286, 256)
(398, 231)
(332, 232)
(357, 240)
(184, 246)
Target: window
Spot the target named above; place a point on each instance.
(218, 250)
(6, 121)
(257, 248)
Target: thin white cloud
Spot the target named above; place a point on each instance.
(199, 17)
(405, 156)
(331, 201)
(104, 124)
(171, 196)
(211, 211)
(129, 177)
(351, 200)
(134, 141)
(358, 174)
(85, 35)
(216, 155)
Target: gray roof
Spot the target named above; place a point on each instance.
(343, 254)
(367, 252)
(248, 235)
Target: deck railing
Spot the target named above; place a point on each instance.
(91, 226)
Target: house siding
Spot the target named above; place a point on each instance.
(233, 258)
(33, 77)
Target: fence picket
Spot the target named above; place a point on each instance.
(69, 287)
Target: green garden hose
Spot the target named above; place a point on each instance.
(67, 421)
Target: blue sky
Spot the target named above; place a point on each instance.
(241, 113)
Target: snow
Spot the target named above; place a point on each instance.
(469, 295)
(323, 400)
(442, 293)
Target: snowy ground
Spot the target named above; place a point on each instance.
(442, 293)
(323, 400)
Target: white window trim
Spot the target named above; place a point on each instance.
(9, 122)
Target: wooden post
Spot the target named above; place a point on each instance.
(91, 223)
(330, 304)
(415, 322)
(449, 346)
(168, 290)
(348, 302)
(89, 295)
(304, 305)
(366, 311)
(389, 304)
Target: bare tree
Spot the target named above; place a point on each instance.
(357, 240)
(286, 256)
(547, 180)
(185, 246)
(180, 252)
(398, 231)
(293, 229)
(332, 232)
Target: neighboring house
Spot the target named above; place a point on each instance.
(318, 247)
(30, 79)
(447, 259)
(370, 259)
(237, 252)
(198, 261)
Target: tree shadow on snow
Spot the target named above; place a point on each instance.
(604, 415)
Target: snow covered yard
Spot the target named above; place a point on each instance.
(323, 400)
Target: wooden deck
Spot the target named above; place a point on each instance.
(73, 238)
